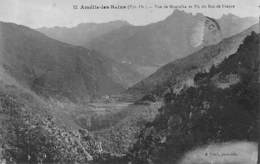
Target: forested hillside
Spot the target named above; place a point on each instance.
(208, 112)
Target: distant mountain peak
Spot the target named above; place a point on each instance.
(178, 14)
(180, 34)
(229, 16)
(178, 11)
(118, 22)
(199, 14)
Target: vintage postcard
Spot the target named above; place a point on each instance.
(129, 81)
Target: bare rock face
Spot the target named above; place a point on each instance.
(212, 32)
(206, 32)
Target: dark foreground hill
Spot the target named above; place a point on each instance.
(29, 133)
(52, 68)
(222, 106)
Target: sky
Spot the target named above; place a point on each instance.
(49, 13)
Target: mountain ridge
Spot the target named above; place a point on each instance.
(48, 66)
(82, 33)
(146, 48)
(180, 72)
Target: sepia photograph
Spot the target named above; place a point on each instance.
(129, 81)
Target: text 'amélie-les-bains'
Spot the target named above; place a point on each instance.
(83, 7)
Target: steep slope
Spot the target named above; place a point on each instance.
(53, 68)
(29, 133)
(32, 66)
(83, 33)
(207, 113)
(180, 73)
(157, 44)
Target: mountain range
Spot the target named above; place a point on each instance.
(146, 48)
(83, 33)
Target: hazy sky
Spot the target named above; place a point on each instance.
(37, 13)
